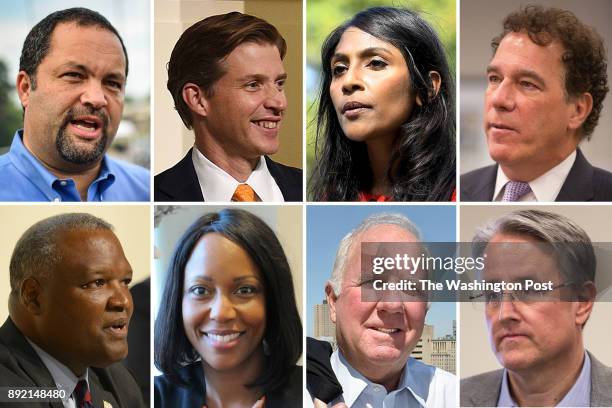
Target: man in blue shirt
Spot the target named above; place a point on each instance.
(71, 85)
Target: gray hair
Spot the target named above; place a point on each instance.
(347, 242)
(572, 246)
(35, 253)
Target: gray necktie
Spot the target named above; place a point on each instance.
(515, 190)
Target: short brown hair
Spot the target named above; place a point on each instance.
(198, 54)
(584, 58)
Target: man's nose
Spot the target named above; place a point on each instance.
(93, 95)
(390, 306)
(502, 96)
(222, 309)
(507, 308)
(276, 100)
(120, 298)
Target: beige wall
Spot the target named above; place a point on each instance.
(476, 355)
(172, 17)
(132, 227)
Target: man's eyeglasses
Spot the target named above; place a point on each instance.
(492, 299)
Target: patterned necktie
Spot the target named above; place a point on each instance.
(515, 190)
(82, 396)
(244, 192)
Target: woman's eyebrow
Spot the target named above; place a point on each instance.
(366, 52)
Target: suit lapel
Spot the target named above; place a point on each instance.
(99, 395)
(578, 185)
(182, 182)
(601, 378)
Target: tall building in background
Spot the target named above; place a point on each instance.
(422, 351)
(443, 354)
(324, 328)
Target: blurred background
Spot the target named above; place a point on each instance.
(131, 19)
(481, 20)
(323, 16)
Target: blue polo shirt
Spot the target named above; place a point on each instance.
(24, 178)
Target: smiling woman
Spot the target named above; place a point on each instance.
(386, 121)
(228, 332)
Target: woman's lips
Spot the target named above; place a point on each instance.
(354, 109)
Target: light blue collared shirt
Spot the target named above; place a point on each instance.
(420, 385)
(63, 377)
(24, 178)
(578, 396)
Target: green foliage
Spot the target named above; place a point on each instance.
(324, 15)
(10, 113)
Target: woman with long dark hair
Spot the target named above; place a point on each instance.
(228, 331)
(386, 116)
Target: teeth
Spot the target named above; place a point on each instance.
(266, 124)
(223, 338)
(387, 330)
(85, 125)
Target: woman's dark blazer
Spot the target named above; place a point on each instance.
(171, 395)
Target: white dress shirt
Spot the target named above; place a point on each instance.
(544, 188)
(217, 185)
(63, 377)
(420, 385)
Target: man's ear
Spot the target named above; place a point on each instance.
(581, 107)
(436, 81)
(586, 300)
(331, 301)
(30, 296)
(195, 98)
(24, 87)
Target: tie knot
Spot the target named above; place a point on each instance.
(244, 192)
(515, 190)
(82, 395)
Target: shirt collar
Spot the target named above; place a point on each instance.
(53, 188)
(217, 185)
(578, 396)
(63, 377)
(544, 188)
(354, 383)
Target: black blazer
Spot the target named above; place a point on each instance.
(180, 182)
(171, 395)
(583, 183)
(20, 366)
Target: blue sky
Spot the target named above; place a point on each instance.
(327, 225)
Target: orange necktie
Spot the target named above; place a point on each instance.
(244, 192)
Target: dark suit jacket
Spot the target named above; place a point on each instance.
(584, 183)
(20, 366)
(171, 395)
(180, 182)
(483, 390)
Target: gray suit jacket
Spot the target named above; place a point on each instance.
(483, 390)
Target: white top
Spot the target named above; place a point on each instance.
(217, 185)
(544, 188)
(63, 377)
(420, 385)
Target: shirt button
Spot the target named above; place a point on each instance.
(377, 388)
(57, 200)
(63, 182)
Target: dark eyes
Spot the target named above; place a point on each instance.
(99, 283)
(375, 64)
(256, 85)
(74, 76)
(244, 291)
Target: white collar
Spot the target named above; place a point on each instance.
(63, 377)
(217, 185)
(544, 188)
